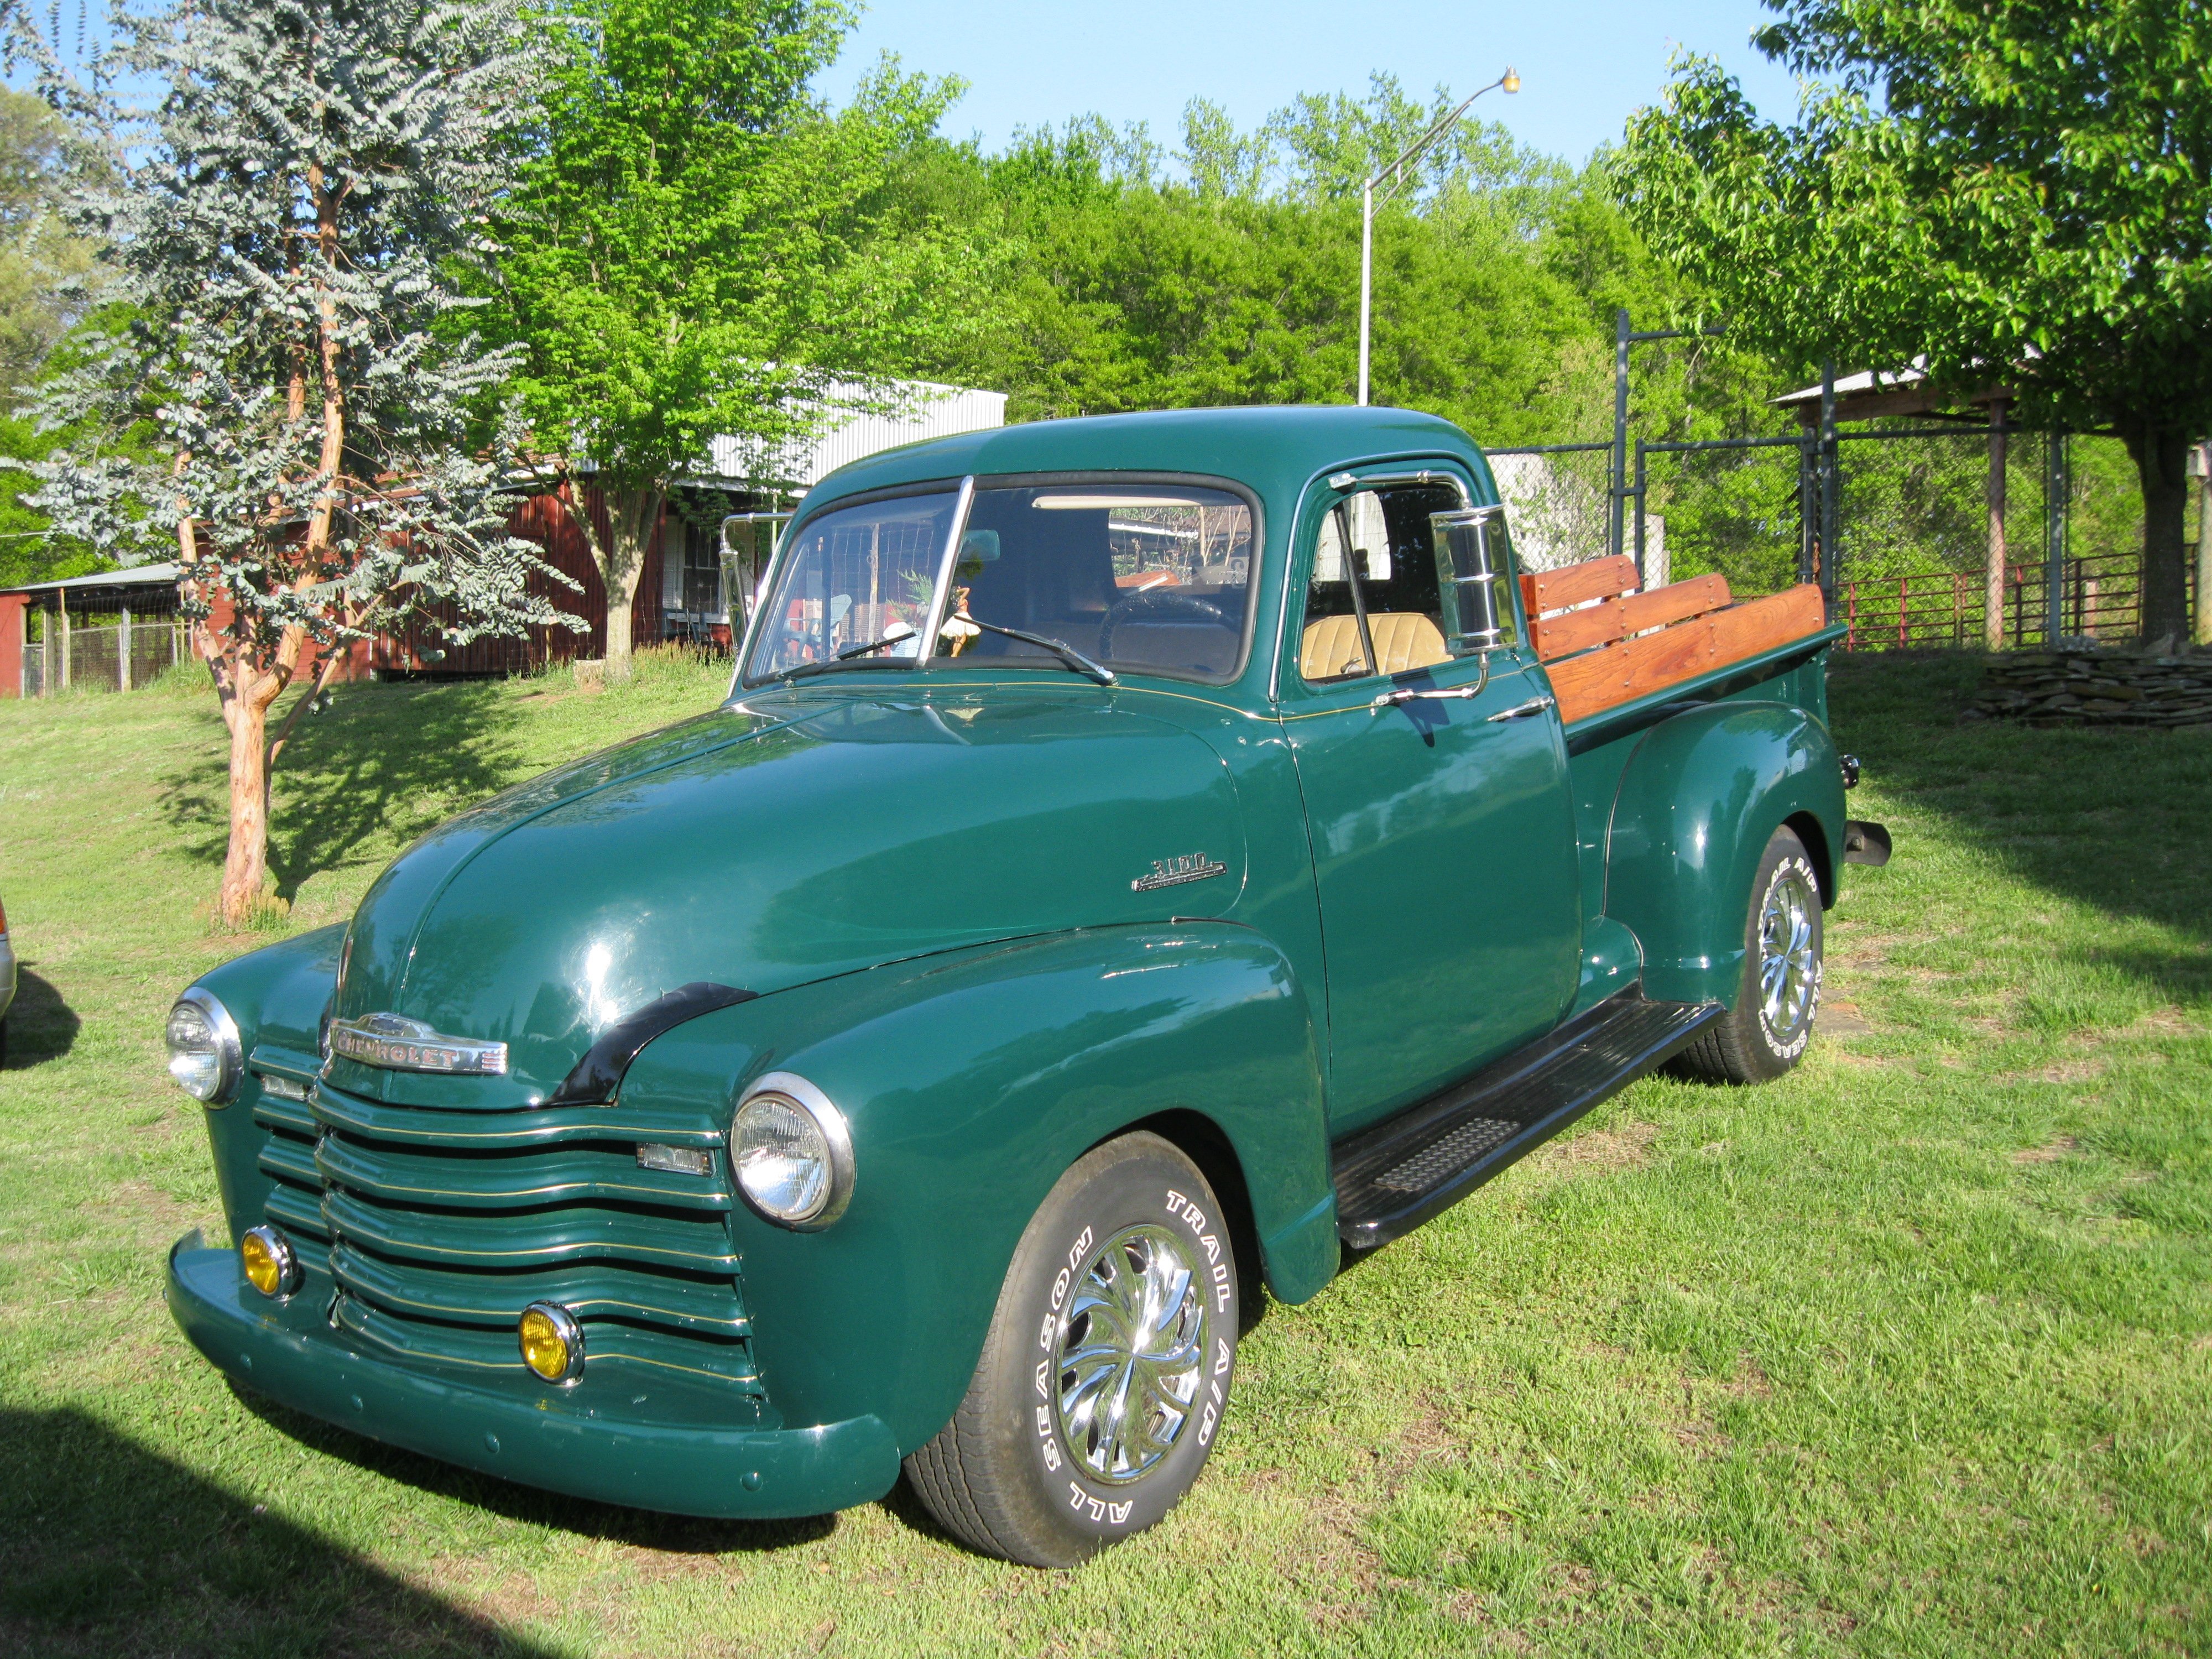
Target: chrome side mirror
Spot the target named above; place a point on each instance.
(1474, 560)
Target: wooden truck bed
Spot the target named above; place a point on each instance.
(1604, 643)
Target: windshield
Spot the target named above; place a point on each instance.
(1146, 579)
(852, 575)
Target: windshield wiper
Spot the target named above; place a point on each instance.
(1060, 648)
(800, 670)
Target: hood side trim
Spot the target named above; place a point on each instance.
(598, 1076)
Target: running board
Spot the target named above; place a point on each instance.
(1392, 1177)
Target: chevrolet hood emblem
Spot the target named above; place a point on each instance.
(399, 1044)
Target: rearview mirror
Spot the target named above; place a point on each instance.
(1473, 561)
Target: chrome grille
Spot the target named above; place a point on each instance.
(437, 1227)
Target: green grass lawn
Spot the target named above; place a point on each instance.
(1909, 1353)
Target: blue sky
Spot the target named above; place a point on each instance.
(1585, 64)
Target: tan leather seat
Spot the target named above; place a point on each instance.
(1404, 640)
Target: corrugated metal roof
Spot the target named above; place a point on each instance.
(932, 411)
(144, 576)
(1867, 380)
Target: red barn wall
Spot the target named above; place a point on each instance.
(360, 658)
(15, 609)
(549, 521)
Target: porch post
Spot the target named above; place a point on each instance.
(1807, 506)
(2203, 619)
(123, 650)
(1993, 629)
(63, 598)
(1832, 492)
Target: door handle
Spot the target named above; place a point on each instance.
(1521, 711)
(1392, 699)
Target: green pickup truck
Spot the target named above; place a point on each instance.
(1142, 862)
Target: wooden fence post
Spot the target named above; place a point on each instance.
(2203, 629)
(1993, 600)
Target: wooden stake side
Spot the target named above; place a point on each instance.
(1615, 674)
(1577, 584)
(1617, 619)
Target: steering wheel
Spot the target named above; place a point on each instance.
(1154, 602)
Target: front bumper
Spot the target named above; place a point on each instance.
(7, 974)
(682, 1469)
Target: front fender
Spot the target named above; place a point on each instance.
(1699, 800)
(276, 996)
(971, 1082)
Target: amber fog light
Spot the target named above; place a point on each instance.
(272, 1265)
(552, 1341)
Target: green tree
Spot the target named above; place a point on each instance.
(1238, 282)
(1133, 289)
(698, 248)
(277, 229)
(2018, 192)
(43, 267)
(42, 261)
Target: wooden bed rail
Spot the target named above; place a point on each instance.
(1603, 643)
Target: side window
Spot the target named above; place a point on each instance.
(1374, 604)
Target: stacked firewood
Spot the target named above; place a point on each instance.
(2092, 687)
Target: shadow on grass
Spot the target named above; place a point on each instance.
(383, 762)
(2112, 818)
(40, 1025)
(108, 1548)
(645, 1530)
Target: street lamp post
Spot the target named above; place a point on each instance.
(1395, 172)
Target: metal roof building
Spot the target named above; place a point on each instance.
(922, 410)
(119, 628)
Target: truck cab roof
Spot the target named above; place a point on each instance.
(1273, 451)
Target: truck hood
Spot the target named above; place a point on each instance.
(778, 840)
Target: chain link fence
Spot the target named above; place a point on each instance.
(113, 649)
(1912, 526)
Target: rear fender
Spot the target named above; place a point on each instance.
(971, 1083)
(1698, 801)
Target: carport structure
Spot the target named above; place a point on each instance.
(1823, 411)
(111, 631)
(1877, 394)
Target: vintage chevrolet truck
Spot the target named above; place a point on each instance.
(930, 1057)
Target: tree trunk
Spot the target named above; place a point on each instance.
(633, 518)
(245, 866)
(2161, 455)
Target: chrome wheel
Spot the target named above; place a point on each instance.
(1789, 954)
(1131, 1347)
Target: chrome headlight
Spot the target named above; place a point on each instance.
(793, 1153)
(203, 1049)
